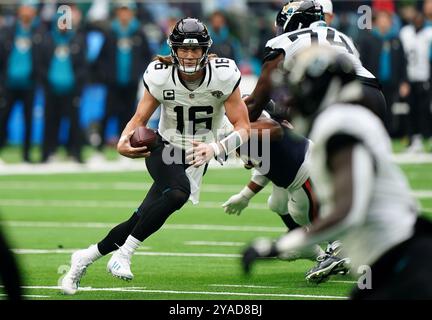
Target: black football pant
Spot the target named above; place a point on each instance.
(56, 108)
(373, 99)
(405, 271)
(169, 192)
(10, 98)
(396, 124)
(420, 117)
(121, 104)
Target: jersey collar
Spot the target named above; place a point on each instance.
(177, 78)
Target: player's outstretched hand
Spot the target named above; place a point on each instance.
(125, 149)
(260, 248)
(199, 154)
(235, 204)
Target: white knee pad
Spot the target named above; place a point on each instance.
(278, 201)
(298, 207)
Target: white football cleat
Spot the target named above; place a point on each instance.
(79, 264)
(119, 266)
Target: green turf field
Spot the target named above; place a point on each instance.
(195, 255)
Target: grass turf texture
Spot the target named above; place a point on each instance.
(69, 211)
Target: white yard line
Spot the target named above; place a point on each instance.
(422, 194)
(217, 293)
(342, 281)
(214, 243)
(63, 203)
(406, 158)
(242, 286)
(122, 165)
(128, 165)
(138, 253)
(27, 295)
(125, 186)
(103, 204)
(96, 225)
(130, 186)
(67, 203)
(52, 224)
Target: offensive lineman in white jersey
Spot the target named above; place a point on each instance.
(365, 198)
(194, 93)
(299, 25)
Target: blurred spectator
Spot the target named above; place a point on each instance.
(224, 44)
(407, 11)
(427, 10)
(122, 62)
(382, 53)
(389, 6)
(63, 69)
(18, 61)
(174, 16)
(209, 6)
(98, 11)
(258, 43)
(47, 12)
(417, 40)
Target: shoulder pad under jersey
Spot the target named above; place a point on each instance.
(225, 69)
(156, 74)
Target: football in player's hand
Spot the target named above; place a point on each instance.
(143, 137)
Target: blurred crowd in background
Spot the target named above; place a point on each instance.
(79, 86)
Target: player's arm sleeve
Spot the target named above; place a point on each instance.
(261, 94)
(259, 179)
(352, 198)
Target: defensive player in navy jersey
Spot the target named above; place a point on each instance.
(293, 197)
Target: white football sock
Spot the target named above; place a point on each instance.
(93, 253)
(130, 246)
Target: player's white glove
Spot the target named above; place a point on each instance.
(199, 154)
(238, 202)
(235, 204)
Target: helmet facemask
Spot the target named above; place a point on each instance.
(181, 64)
